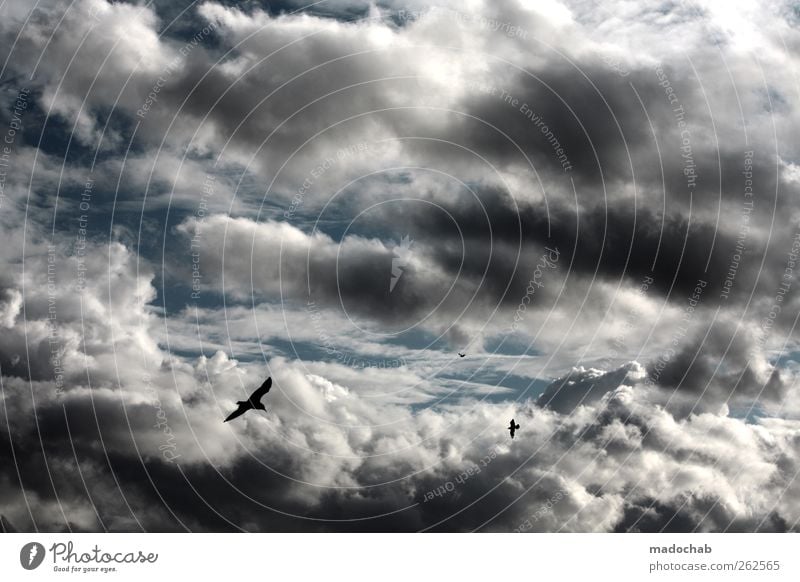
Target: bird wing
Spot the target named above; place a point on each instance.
(263, 389)
(238, 412)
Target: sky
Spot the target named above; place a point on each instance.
(594, 202)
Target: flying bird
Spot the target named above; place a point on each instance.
(252, 403)
(512, 428)
(461, 355)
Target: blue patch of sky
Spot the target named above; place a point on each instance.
(243, 357)
(320, 352)
(510, 345)
(782, 360)
(56, 136)
(418, 339)
(187, 19)
(302, 350)
(174, 296)
(520, 387)
(750, 413)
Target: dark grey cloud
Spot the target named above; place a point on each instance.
(721, 364)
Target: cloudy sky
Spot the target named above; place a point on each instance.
(596, 203)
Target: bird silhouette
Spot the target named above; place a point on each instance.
(461, 355)
(252, 403)
(512, 428)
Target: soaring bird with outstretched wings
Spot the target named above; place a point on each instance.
(512, 428)
(460, 355)
(252, 403)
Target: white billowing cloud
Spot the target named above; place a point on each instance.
(98, 45)
(595, 469)
(582, 387)
(271, 259)
(10, 307)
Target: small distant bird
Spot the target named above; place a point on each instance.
(512, 428)
(461, 355)
(252, 403)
